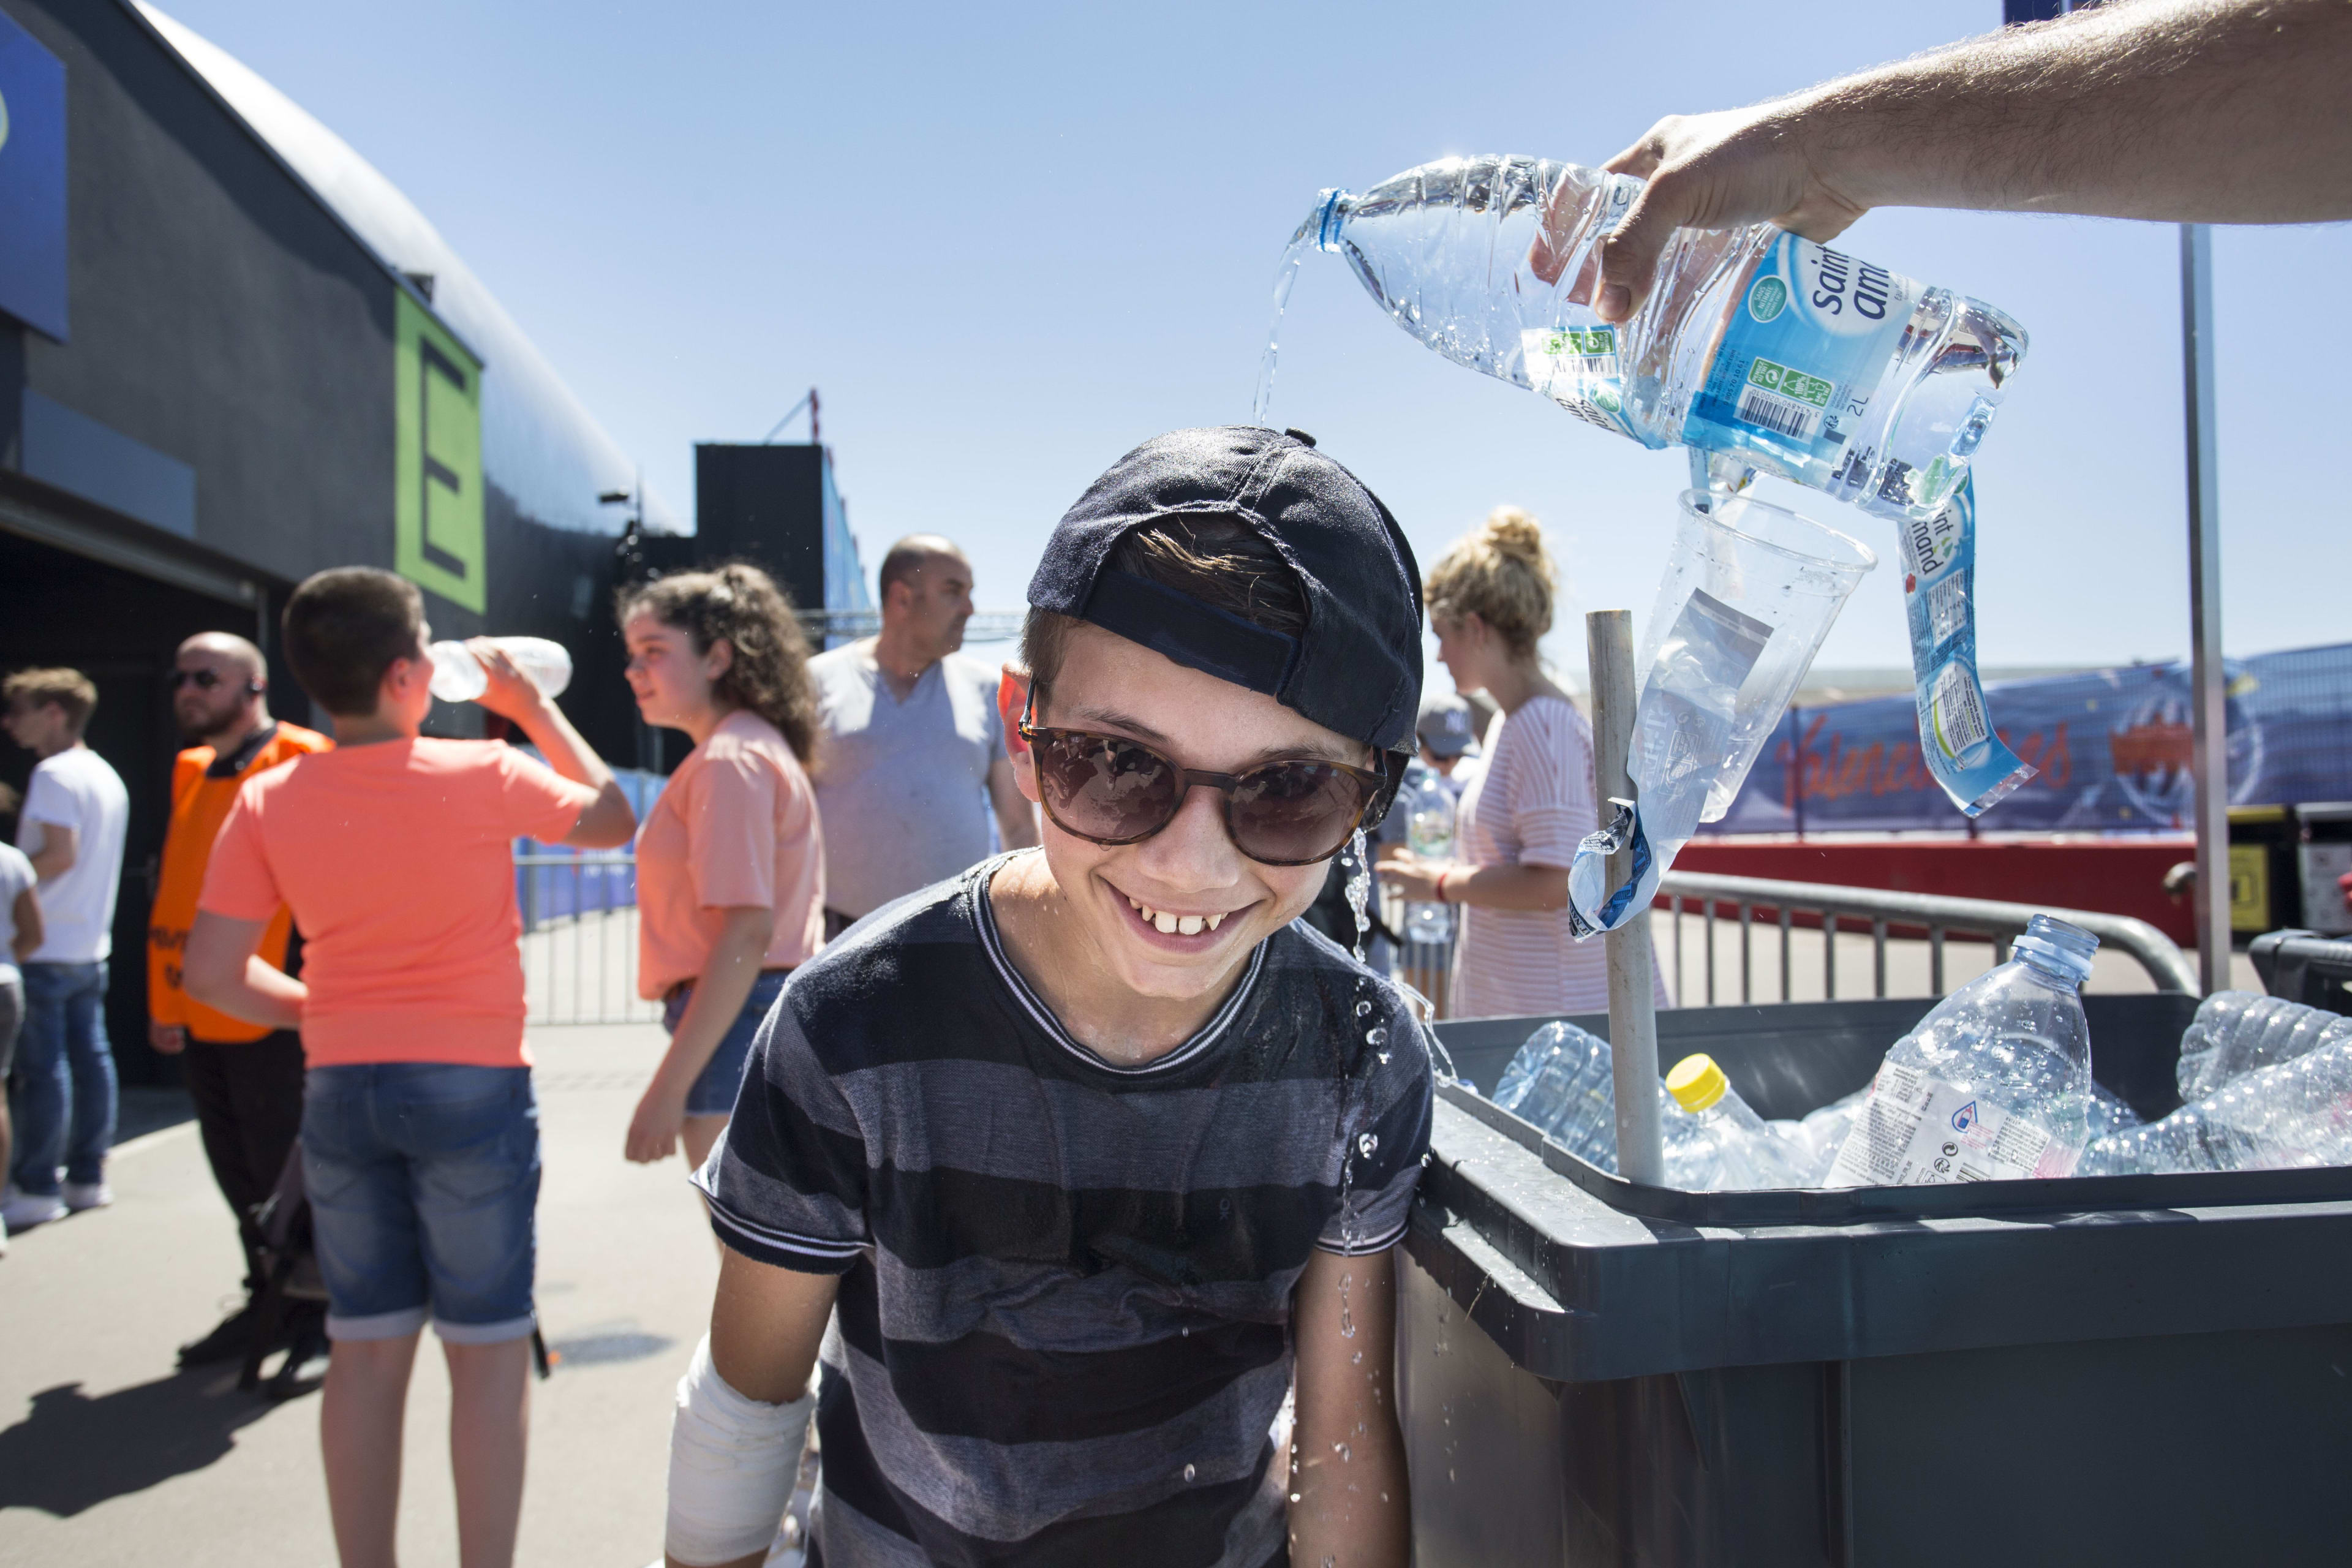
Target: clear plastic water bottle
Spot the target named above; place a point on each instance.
(1428, 806)
(1560, 1081)
(2107, 1114)
(2294, 1114)
(1810, 1146)
(459, 676)
(1993, 1085)
(1766, 349)
(2239, 1032)
(1713, 1141)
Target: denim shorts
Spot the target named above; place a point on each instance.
(423, 1182)
(714, 1092)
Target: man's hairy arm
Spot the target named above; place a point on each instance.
(2181, 111)
(1351, 1507)
(766, 1324)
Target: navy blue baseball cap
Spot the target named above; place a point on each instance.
(1356, 668)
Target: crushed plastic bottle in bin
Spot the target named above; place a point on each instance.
(2294, 1113)
(2237, 1032)
(1776, 353)
(459, 676)
(1995, 1082)
(1560, 1081)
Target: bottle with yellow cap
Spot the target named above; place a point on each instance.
(1717, 1142)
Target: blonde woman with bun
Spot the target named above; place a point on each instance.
(1490, 603)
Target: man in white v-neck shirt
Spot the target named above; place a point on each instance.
(911, 773)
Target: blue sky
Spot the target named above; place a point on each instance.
(1008, 243)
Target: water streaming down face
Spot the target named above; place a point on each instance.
(1359, 890)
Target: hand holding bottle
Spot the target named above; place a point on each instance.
(508, 689)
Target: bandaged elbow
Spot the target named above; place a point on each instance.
(732, 1462)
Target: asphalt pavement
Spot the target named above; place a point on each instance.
(110, 1456)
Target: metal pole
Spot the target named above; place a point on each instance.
(2210, 754)
(1633, 1004)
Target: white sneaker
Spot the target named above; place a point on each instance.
(23, 1211)
(81, 1195)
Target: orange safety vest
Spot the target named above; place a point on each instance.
(203, 787)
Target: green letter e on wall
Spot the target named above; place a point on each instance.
(437, 460)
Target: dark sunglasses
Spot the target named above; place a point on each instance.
(205, 679)
(1108, 789)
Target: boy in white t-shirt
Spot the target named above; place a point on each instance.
(72, 829)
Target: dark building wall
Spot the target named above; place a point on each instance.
(220, 315)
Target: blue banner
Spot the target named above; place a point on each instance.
(2111, 751)
(32, 180)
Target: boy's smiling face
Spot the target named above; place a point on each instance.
(1189, 869)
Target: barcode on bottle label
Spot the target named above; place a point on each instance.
(1957, 710)
(1776, 415)
(1784, 401)
(1917, 1130)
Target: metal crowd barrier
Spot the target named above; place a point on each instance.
(580, 937)
(1901, 914)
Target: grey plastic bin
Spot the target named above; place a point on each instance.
(2119, 1371)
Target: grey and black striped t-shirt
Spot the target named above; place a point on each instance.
(1063, 1326)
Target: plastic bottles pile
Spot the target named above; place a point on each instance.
(1764, 348)
(1561, 1081)
(1713, 1141)
(1993, 1085)
(2268, 1085)
(459, 676)
(2239, 1032)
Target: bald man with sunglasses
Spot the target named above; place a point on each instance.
(245, 1080)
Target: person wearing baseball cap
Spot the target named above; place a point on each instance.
(1094, 1149)
(1447, 729)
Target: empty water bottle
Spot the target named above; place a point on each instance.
(1713, 1141)
(2290, 1114)
(1768, 350)
(2239, 1032)
(2107, 1114)
(459, 676)
(1428, 806)
(1560, 1081)
(1994, 1084)
(1810, 1146)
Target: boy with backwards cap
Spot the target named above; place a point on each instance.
(1091, 1152)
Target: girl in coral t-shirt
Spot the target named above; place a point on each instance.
(730, 866)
